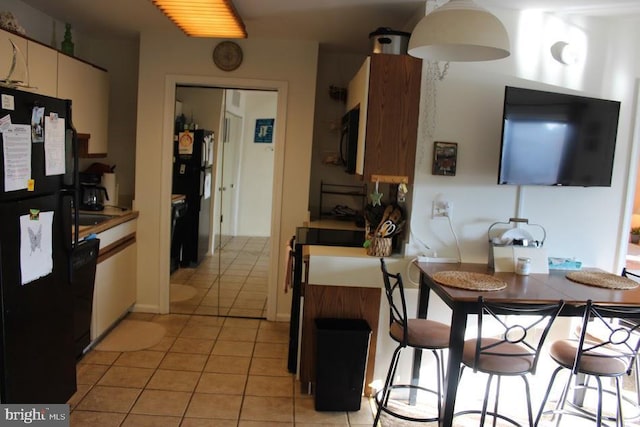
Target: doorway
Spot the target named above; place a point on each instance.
(233, 278)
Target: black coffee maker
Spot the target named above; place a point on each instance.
(92, 195)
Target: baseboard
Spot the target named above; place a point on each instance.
(145, 308)
(283, 317)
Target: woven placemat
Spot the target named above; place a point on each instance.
(469, 281)
(602, 280)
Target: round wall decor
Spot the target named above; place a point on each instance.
(227, 55)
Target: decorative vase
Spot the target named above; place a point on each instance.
(67, 44)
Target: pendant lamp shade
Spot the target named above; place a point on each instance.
(459, 30)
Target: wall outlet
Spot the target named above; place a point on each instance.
(440, 209)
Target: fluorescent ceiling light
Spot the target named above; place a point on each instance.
(459, 30)
(204, 18)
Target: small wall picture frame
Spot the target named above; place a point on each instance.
(445, 158)
(264, 131)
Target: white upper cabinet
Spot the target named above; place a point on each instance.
(88, 89)
(36, 64)
(6, 55)
(55, 74)
(43, 69)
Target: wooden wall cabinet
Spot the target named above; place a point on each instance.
(387, 91)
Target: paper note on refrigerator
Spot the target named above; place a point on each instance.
(16, 148)
(5, 123)
(207, 185)
(54, 139)
(36, 245)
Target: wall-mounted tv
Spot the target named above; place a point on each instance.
(553, 138)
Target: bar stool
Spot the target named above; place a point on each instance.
(599, 333)
(409, 333)
(610, 356)
(512, 349)
(630, 323)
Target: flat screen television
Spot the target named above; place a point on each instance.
(552, 138)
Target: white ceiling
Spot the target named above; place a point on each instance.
(339, 25)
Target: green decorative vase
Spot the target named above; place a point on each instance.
(67, 44)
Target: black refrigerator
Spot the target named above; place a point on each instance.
(37, 190)
(192, 177)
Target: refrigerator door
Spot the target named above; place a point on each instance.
(34, 112)
(189, 161)
(37, 360)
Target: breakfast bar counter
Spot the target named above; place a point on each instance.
(346, 283)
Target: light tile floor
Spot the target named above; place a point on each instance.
(217, 371)
(207, 371)
(241, 289)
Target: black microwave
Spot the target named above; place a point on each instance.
(349, 139)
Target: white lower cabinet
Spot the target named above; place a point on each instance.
(115, 284)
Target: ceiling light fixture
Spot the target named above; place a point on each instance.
(459, 30)
(204, 18)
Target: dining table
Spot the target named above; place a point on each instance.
(529, 289)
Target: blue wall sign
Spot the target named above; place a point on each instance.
(264, 131)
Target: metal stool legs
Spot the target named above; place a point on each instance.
(383, 396)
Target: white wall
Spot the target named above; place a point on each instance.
(290, 65)
(587, 223)
(256, 168)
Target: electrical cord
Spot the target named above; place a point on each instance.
(455, 236)
(417, 239)
(409, 264)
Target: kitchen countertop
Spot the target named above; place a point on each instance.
(333, 224)
(338, 251)
(119, 216)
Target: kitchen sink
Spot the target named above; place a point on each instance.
(85, 218)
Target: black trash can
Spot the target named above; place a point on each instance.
(342, 346)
